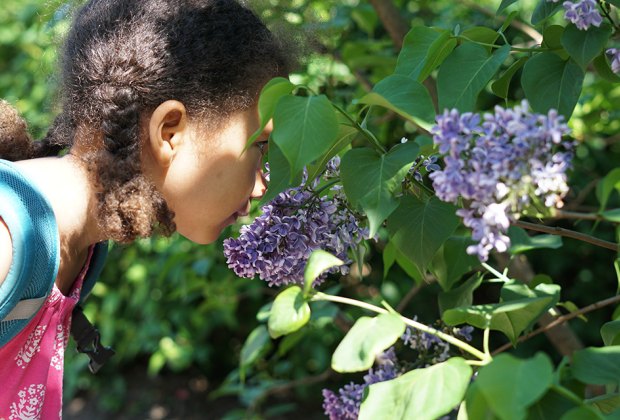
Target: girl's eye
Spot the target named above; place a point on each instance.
(262, 146)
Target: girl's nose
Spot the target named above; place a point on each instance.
(260, 185)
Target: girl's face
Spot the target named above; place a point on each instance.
(211, 179)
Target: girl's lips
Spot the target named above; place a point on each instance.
(243, 210)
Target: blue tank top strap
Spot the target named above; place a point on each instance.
(36, 250)
(97, 261)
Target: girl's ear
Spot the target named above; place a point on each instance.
(167, 130)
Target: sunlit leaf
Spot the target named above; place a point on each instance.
(289, 312)
(318, 262)
(507, 384)
(304, 128)
(406, 97)
(358, 349)
(465, 72)
(420, 394)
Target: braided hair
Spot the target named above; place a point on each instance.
(121, 59)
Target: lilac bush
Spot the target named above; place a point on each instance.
(278, 243)
(501, 165)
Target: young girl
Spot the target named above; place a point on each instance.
(158, 101)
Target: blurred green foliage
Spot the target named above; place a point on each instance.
(167, 304)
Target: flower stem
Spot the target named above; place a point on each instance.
(373, 140)
(568, 394)
(564, 214)
(484, 358)
(519, 49)
(499, 275)
(485, 342)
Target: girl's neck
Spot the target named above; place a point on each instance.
(67, 186)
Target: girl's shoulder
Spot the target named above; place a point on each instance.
(6, 251)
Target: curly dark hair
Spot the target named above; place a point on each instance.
(121, 59)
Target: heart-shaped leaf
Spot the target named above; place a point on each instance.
(365, 340)
(370, 179)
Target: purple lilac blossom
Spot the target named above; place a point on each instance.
(614, 54)
(582, 13)
(501, 165)
(278, 243)
(345, 404)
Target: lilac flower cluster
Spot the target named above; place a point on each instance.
(502, 165)
(614, 54)
(582, 13)
(345, 405)
(278, 243)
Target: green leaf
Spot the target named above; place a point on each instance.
(606, 186)
(572, 308)
(515, 290)
(612, 215)
(304, 128)
(365, 340)
(614, 2)
(271, 93)
(449, 265)
(318, 262)
(391, 254)
(481, 34)
(581, 413)
(475, 406)
(370, 179)
(603, 68)
(521, 242)
(464, 74)
(544, 10)
(289, 312)
(418, 228)
(511, 318)
(611, 333)
(461, 296)
(504, 4)
(345, 136)
(552, 83)
(552, 39)
(406, 97)
(607, 404)
(500, 86)
(551, 406)
(423, 50)
(511, 385)
(597, 365)
(279, 174)
(420, 394)
(583, 46)
(256, 344)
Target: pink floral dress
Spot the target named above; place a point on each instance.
(31, 364)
